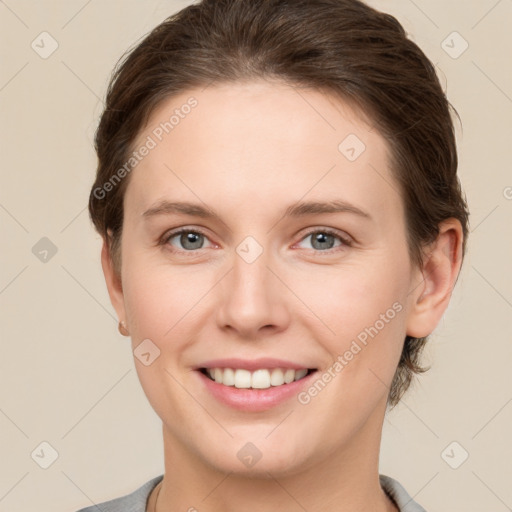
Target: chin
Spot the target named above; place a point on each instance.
(258, 459)
(265, 468)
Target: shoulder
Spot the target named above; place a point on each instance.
(400, 496)
(134, 502)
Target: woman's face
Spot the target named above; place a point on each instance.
(265, 269)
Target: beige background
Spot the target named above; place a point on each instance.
(68, 377)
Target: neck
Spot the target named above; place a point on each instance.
(342, 481)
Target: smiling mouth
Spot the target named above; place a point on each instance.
(258, 379)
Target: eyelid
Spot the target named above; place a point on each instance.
(178, 231)
(346, 240)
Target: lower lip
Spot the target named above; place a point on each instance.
(254, 400)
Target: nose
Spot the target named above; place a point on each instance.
(253, 300)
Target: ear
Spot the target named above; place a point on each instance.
(113, 281)
(438, 276)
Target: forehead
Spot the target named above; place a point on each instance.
(259, 140)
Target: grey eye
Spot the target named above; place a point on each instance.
(189, 240)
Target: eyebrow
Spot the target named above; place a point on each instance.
(295, 210)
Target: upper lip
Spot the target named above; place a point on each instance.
(252, 364)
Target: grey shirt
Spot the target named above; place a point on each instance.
(136, 501)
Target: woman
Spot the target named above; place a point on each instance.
(283, 226)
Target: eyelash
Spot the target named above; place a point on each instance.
(346, 242)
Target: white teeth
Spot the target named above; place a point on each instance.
(289, 375)
(259, 379)
(300, 373)
(276, 377)
(228, 378)
(242, 378)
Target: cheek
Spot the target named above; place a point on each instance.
(350, 297)
(164, 302)
(156, 301)
(360, 315)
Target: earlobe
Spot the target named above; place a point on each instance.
(113, 281)
(431, 296)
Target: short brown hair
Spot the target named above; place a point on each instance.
(341, 47)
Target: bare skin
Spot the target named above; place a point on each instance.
(248, 152)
